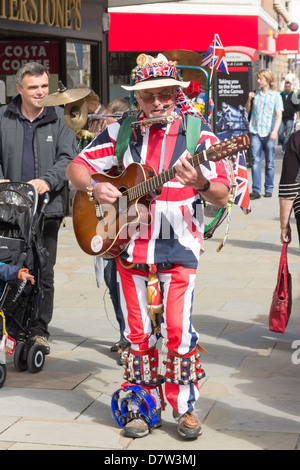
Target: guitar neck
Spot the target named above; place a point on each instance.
(159, 180)
(214, 153)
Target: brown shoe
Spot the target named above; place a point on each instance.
(139, 427)
(188, 425)
(136, 428)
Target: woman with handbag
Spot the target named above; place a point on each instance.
(289, 199)
(289, 187)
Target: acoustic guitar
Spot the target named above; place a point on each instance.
(106, 229)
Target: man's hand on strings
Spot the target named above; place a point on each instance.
(187, 175)
(106, 193)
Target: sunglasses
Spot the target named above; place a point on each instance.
(162, 97)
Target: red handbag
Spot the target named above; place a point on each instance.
(281, 306)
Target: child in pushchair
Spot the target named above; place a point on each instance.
(9, 272)
(22, 259)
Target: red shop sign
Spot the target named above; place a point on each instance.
(15, 54)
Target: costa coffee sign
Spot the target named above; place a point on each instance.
(15, 54)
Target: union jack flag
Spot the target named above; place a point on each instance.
(242, 197)
(215, 56)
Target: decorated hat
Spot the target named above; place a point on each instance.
(154, 72)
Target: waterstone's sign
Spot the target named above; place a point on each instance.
(64, 14)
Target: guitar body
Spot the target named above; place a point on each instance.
(106, 229)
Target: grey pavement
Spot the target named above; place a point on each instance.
(250, 397)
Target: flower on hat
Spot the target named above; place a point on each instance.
(151, 67)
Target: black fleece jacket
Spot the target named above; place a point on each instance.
(54, 148)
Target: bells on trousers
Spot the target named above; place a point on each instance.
(141, 367)
(183, 370)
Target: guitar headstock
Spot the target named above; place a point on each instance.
(228, 147)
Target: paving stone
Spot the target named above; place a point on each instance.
(263, 415)
(45, 379)
(61, 433)
(43, 403)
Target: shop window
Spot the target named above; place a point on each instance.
(120, 65)
(78, 65)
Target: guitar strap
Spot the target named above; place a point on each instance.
(123, 139)
(193, 129)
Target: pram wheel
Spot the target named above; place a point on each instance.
(36, 358)
(2, 374)
(20, 360)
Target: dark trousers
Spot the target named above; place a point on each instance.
(50, 236)
(110, 278)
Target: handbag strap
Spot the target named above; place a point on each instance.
(283, 267)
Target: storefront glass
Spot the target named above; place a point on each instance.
(120, 65)
(78, 65)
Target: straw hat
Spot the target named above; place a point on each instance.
(154, 72)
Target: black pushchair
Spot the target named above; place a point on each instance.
(21, 244)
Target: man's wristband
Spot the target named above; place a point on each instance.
(205, 187)
(284, 227)
(90, 188)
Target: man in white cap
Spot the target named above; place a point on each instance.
(170, 246)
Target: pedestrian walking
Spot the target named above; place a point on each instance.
(265, 108)
(291, 108)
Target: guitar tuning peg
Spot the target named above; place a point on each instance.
(90, 193)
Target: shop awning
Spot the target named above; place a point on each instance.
(288, 44)
(248, 52)
(183, 31)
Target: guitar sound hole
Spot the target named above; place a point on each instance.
(122, 189)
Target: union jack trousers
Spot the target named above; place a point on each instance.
(183, 369)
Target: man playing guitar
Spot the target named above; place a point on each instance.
(169, 246)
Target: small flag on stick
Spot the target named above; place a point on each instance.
(215, 57)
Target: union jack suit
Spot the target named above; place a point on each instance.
(175, 236)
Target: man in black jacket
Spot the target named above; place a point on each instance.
(290, 108)
(36, 146)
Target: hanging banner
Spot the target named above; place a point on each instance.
(231, 94)
(15, 54)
